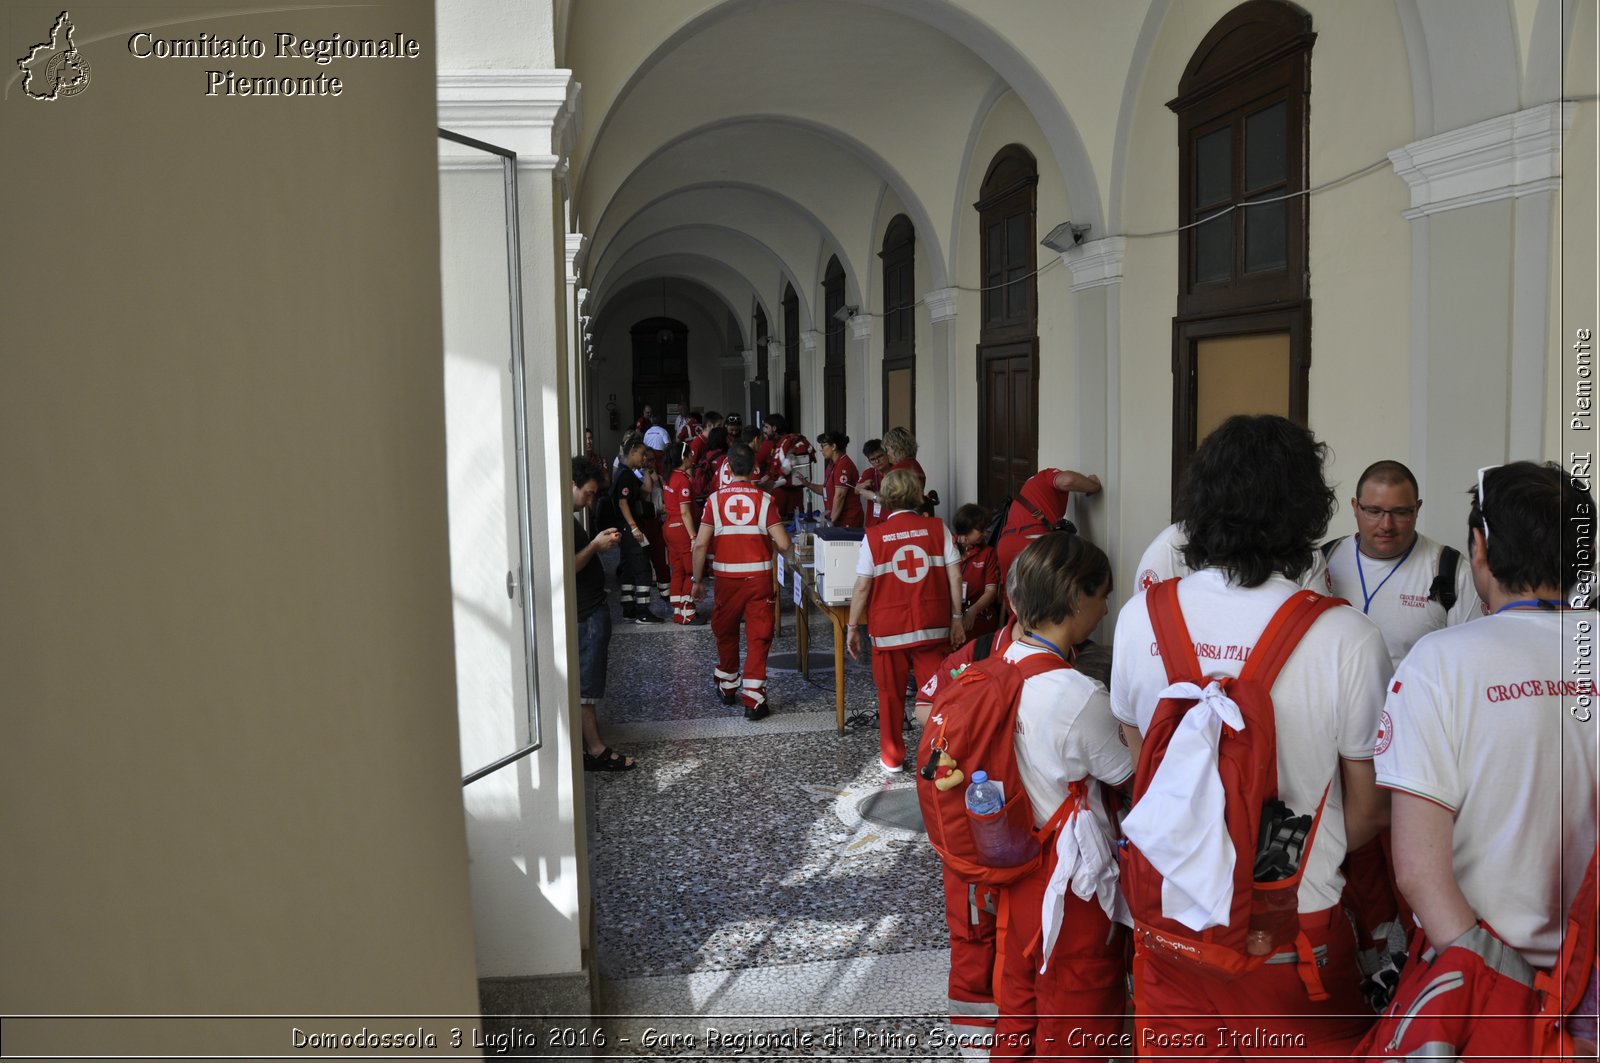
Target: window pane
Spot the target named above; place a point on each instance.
(994, 250)
(1018, 246)
(1266, 236)
(897, 386)
(1265, 152)
(1213, 249)
(1240, 374)
(1213, 168)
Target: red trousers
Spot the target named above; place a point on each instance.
(1076, 1009)
(1266, 1014)
(752, 599)
(1474, 999)
(680, 557)
(969, 911)
(889, 671)
(657, 551)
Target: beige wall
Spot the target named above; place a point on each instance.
(230, 781)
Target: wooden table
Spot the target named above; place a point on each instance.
(839, 615)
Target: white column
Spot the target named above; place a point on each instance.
(863, 401)
(811, 380)
(530, 913)
(1482, 228)
(936, 394)
(1097, 291)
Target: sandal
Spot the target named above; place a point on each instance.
(608, 759)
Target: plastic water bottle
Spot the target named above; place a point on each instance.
(985, 800)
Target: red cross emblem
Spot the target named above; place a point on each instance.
(910, 564)
(740, 510)
(1385, 733)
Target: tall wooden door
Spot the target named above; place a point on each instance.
(1008, 431)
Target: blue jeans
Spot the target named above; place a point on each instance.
(594, 639)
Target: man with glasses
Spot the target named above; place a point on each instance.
(1488, 747)
(1407, 583)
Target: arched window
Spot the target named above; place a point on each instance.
(833, 375)
(791, 358)
(1008, 339)
(760, 402)
(899, 324)
(1242, 334)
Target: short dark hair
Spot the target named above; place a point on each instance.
(1254, 500)
(675, 453)
(717, 439)
(631, 444)
(834, 439)
(1053, 575)
(750, 433)
(741, 459)
(1541, 524)
(584, 471)
(871, 447)
(1388, 472)
(970, 518)
(777, 422)
(712, 416)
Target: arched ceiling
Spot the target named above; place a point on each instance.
(791, 124)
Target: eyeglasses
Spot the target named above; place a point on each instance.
(1399, 513)
(1482, 507)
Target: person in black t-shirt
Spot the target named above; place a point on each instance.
(630, 501)
(594, 619)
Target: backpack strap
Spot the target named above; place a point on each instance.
(1038, 664)
(1443, 588)
(1331, 545)
(1561, 987)
(1172, 634)
(1283, 634)
(983, 645)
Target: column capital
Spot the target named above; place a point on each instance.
(774, 348)
(575, 243)
(1097, 263)
(1516, 154)
(941, 303)
(531, 112)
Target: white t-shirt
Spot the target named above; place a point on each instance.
(1327, 698)
(1396, 594)
(1163, 559)
(1478, 719)
(1065, 731)
(866, 567)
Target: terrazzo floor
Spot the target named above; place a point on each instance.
(744, 907)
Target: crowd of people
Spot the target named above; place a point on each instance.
(1329, 798)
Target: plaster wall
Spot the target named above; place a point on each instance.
(231, 776)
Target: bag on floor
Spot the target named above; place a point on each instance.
(1263, 917)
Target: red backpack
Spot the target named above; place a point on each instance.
(973, 728)
(703, 477)
(1562, 987)
(1247, 764)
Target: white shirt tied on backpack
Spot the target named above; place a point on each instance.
(1178, 823)
(1085, 865)
(1326, 700)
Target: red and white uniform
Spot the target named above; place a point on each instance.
(980, 569)
(841, 479)
(680, 546)
(1483, 719)
(872, 480)
(724, 473)
(908, 613)
(1327, 700)
(1022, 527)
(790, 449)
(741, 516)
(1395, 593)
(969, 908)
(1065, 733)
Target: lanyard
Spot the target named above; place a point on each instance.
(1048, 644)
(1546, 604)
(1366, 599)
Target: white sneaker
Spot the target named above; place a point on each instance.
(895, 770)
